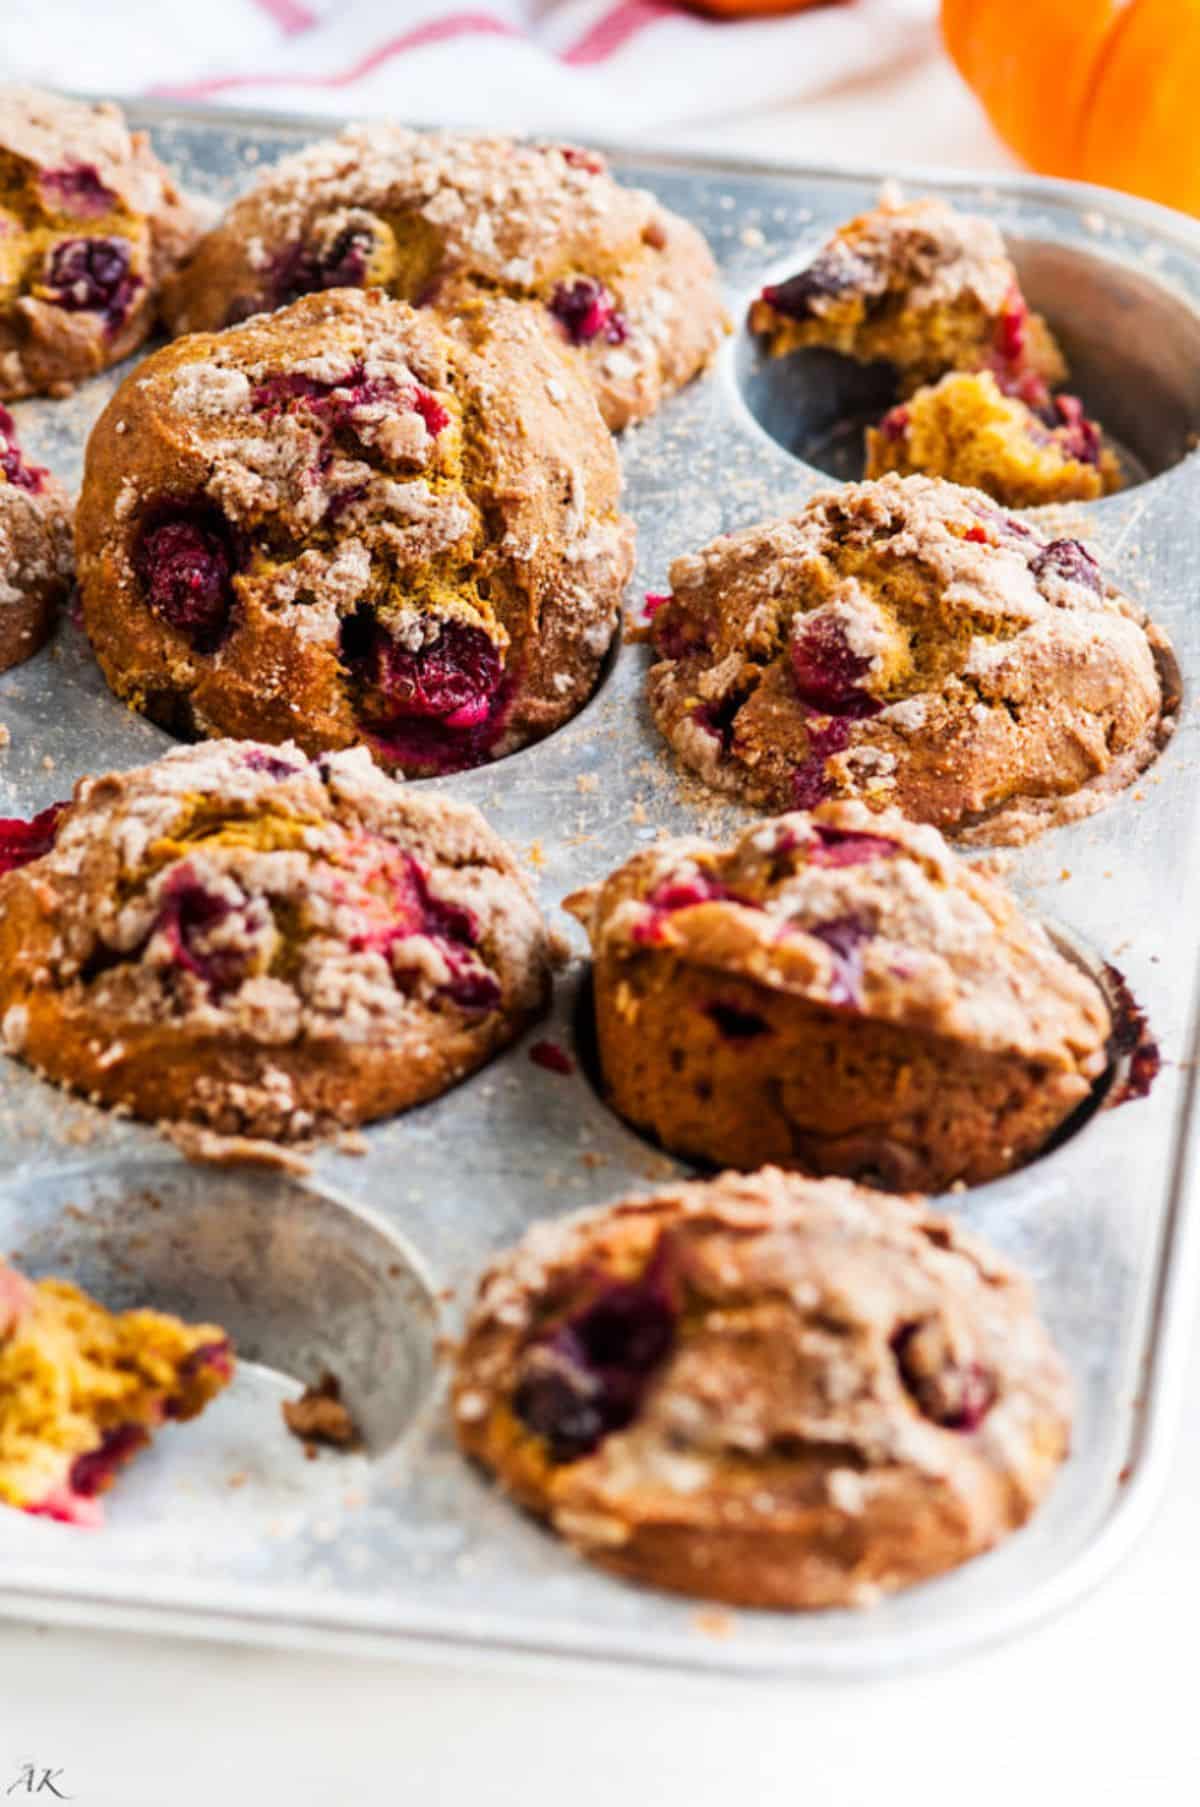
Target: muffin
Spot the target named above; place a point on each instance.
(440, 217)
(836, 992)
(934, 293)
(766, 1390)
(918, 285)
(337, 524)
(967, 429)
(241, 938)
(906, 642)
(83, 1389)
(90, 223)
(36, 562)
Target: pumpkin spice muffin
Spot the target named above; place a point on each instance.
(836, 992)
(243, 939)
(36, 563)
(920, 286)
(764, 1390)
(906, 642)
(967, 429)
(338, 524)
(933, 292)
(437, 218)
(90, 223)
(83, 1389)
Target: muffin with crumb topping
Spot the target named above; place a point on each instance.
(918, 285)
(908, 643)
(90, 224)
(339, 524)
(764, 1390)
(441, 218)
(835, 991)
(36, 562)
(244, 939)
(933, 292)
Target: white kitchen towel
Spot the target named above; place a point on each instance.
(600, 68)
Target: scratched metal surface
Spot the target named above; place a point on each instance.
(223, 1527)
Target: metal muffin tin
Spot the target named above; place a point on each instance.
(224, 1527)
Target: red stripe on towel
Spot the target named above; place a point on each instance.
(612, 32)
(289, 15)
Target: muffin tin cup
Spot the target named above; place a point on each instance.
(364, 1262)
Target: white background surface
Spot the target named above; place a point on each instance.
(1098, 1706)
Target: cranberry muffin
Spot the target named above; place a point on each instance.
(438, 217)
(932, 291)
(90, 223)
(36, 563)
(764, 1390)
(835, 991)
(338, 524)
(907, 642)
(967, 429)
(238, 937)
(83, 1389)
(918, 285)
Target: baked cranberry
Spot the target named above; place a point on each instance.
(92, 275)
(270, 764)
(826, 672)
(832, 272)
(656, 600)
(76, 190)
(957, 1395)
(578, 158)
(1069, 560)
(340, 264)
(186, 919)
(1078, 436)
(846, 847)
(674, 632)
(453, 678)
(185, 563)
(21, 841)
(431, 411)
(12, 460)
(586, 310)
(678, 894)
(844, 936)
(329, 399)
(735, 1023)
(590, 1374)
(217, 1355)
(94, 1471)
(410, 908)
(826, 736)
(894, 424)
(552, 1057)
(1012, 329)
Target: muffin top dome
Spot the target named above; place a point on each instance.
(855, 908)
(340, 523)
(907, 642)
(434, 217)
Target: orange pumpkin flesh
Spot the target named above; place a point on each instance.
(1031, 63)
(1100, 90)
(1139, 132)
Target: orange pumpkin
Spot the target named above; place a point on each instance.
(1101, 90)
